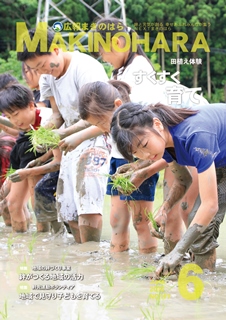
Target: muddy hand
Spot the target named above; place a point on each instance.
(124, 169)
(158, 228)
(170, 263)
(156, 231)
(34, 163)
(124, 192)
(41, 149)
(65, 147)
(15, 177)
(60, 132)
(71, 142)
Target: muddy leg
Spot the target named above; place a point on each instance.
(4, 210)
(45, 203)
(119, 220)
(207, 260)
(56, 225)
(17, 200)
(139, 209)
(169, 245)
(75, 230)
(90, 227)
(19, 226)
(43, 226)
(5, 213)
(174, 224)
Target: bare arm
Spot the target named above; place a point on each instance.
(182, 181)
(205, 213)
(146, 170)
(41, 160)
(208, 195)
(139, 171)
(51, 166)
(78, 126)
(8, 127)
(56, 120)
(71, 142)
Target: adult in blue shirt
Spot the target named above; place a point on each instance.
(183, 137)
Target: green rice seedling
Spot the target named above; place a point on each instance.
(109, 275)
(24, 266)
(31, 244)
(63, 258)
(152, 313)
(9, 171)
(44, 137)
(10, 242)
(151, 218)
(123, 183)
(114, 301)
(4, 312)
(148, 314)
(138, 272)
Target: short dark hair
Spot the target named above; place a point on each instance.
(5, 79)
(15, 96)
(25, 55)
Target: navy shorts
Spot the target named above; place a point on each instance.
(146, 190)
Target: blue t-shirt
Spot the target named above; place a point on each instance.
(200, 140)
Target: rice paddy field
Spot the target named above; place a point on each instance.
(44, 277)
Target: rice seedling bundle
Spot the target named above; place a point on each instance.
(44, 137)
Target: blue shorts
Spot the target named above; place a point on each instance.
(146, 190)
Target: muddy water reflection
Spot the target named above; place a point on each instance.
(92, 298)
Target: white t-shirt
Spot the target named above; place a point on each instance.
(65, 89)
(144, 91)
(45, 114)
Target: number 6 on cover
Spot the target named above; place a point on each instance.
(184, 280)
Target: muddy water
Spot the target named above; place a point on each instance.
(79, 287)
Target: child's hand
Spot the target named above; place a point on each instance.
(170, 263)
(41, 149)
(160, 219)
(70, 143)
(18, 175)
(34, 163)
(125, 170)
(60, 132)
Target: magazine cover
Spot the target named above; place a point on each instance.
(113, 159)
